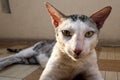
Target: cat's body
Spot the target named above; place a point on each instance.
(73, 55)
(74, 52)
(36, 54)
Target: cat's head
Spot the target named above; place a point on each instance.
(77, 35)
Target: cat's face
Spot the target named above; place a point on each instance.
(77, 33)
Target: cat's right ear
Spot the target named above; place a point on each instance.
(100, 16)
(56, 16)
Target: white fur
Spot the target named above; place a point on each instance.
(78, 40)
(27, 52)
(43, 59)
(62, 64)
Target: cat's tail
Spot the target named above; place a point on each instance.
(13, 50)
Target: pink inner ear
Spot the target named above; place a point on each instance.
(55, 20)
(100, 16)
(54, 14)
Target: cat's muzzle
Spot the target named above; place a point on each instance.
(77, 53)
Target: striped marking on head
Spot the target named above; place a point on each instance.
(76, 17)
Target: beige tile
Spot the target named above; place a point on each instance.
(103, 74)
(103, 53)
(34, 75)
(6, 78)
(110, 53)
(4, 52)
(117, 53)
(19, 71)
(118, 75)
(111, 75)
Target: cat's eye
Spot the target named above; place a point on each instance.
(66, 33)
(89, 34)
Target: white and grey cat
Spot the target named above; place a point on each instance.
(72, 56)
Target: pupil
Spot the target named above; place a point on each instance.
(89, 34)
(66, 33)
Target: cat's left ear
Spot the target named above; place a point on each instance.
(56, 16)
(100, 16)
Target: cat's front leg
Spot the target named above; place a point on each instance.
(93, 74)
(55, 74)
(56, 69)
(50, 73)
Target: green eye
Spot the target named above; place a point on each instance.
(89, 34)
(66, 33)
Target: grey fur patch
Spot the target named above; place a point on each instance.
(45, 47)
(83, 18)
(38, 46)
(78, 17)
(42, 45)
(49, 49)
(32, 60)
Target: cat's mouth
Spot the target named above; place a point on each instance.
(73, 55)
(76, 57)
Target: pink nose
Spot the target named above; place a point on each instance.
(77, 51)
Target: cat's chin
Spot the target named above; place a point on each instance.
(81, 56)
(72, 56)
(75, 58)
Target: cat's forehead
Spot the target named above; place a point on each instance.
(76, 17)
(78, 21)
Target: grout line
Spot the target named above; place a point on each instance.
(10, 77)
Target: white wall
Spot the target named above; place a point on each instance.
(30, 19)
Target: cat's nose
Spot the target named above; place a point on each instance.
(77, 51)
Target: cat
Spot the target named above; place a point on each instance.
(72, 55)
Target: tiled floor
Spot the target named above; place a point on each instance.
(108, 59)
(109, 53)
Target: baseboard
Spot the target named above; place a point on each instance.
(32, 41)
(109, 43)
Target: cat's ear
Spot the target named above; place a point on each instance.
(100, 16)
(56, 16)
